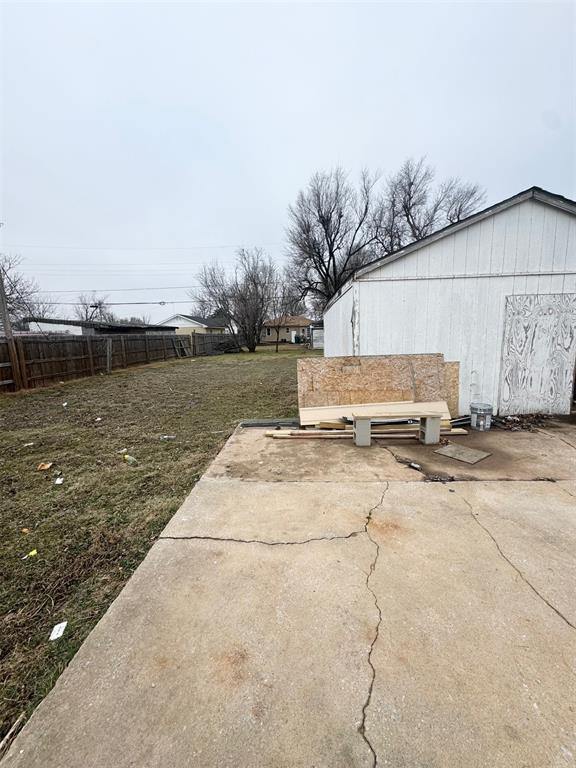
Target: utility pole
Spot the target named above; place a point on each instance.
(6, 326)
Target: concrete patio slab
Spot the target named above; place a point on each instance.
(219, 654)
(535, 527)
(352, 620)
(514, 455)
(234, 509)
(473, 667)
(250, 455)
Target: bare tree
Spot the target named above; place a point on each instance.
(421, 207)
(242, 299)
(22, 293)
(133, 320)
(90, 306)
(334, 227)
(286, 302)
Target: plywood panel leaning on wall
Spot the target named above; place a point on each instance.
(377, 379)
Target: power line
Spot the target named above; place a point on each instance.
(121, 303)
(133, 247)
(122, 290)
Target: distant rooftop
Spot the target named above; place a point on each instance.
(291, 320)
(209, 322)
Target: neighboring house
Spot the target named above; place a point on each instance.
(496, 292)
(188, 323)
(87, 327)
(292, 328)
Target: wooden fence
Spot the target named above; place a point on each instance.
(214, 344)
(42, 360)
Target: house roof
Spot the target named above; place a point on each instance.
(91, 323)
(533, 193)
(294, 320)
(207, 322)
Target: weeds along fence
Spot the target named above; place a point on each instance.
(38, 361)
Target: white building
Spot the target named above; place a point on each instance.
(496, 291)
(193, 323)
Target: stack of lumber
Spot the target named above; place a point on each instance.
(394, 390)
(392, 420)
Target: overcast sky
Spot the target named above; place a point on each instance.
(141, 139)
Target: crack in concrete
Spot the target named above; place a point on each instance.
(358, 532)
(474, 516)
(362, 726)
(567, 491)
(558, 437)
(260, 541)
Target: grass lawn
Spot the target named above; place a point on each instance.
(93, 530)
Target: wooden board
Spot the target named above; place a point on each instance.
(310, 416)
(452, 386)
(347, 434)
(377, 379)
(370, 379)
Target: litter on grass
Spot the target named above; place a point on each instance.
(44, 465)
(27, 445)
(24, 530)
(58, 630)
(59, 480)
(64, 405)
(32, 553)
(130, 459)
(98, 418)
(167, 437)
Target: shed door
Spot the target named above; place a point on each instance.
(538, 354)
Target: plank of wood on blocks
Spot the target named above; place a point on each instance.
(372, 379)
(309, 416)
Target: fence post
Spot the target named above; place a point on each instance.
(123, 347)
(193, 339)
(164, 345)
(147, 345)
(7, 326)
(22, 358)
(90, 355)
(109, 354)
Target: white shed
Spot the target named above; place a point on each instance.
(496, 291)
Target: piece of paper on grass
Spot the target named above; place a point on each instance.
(58, 630)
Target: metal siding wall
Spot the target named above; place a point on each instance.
(464, 317)
(338, 327)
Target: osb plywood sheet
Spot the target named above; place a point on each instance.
(386, 378)
(452, 386)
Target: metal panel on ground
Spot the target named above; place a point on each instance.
(538, 354)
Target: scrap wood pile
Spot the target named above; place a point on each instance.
(395, 391)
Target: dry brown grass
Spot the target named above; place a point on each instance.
(92, 531)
